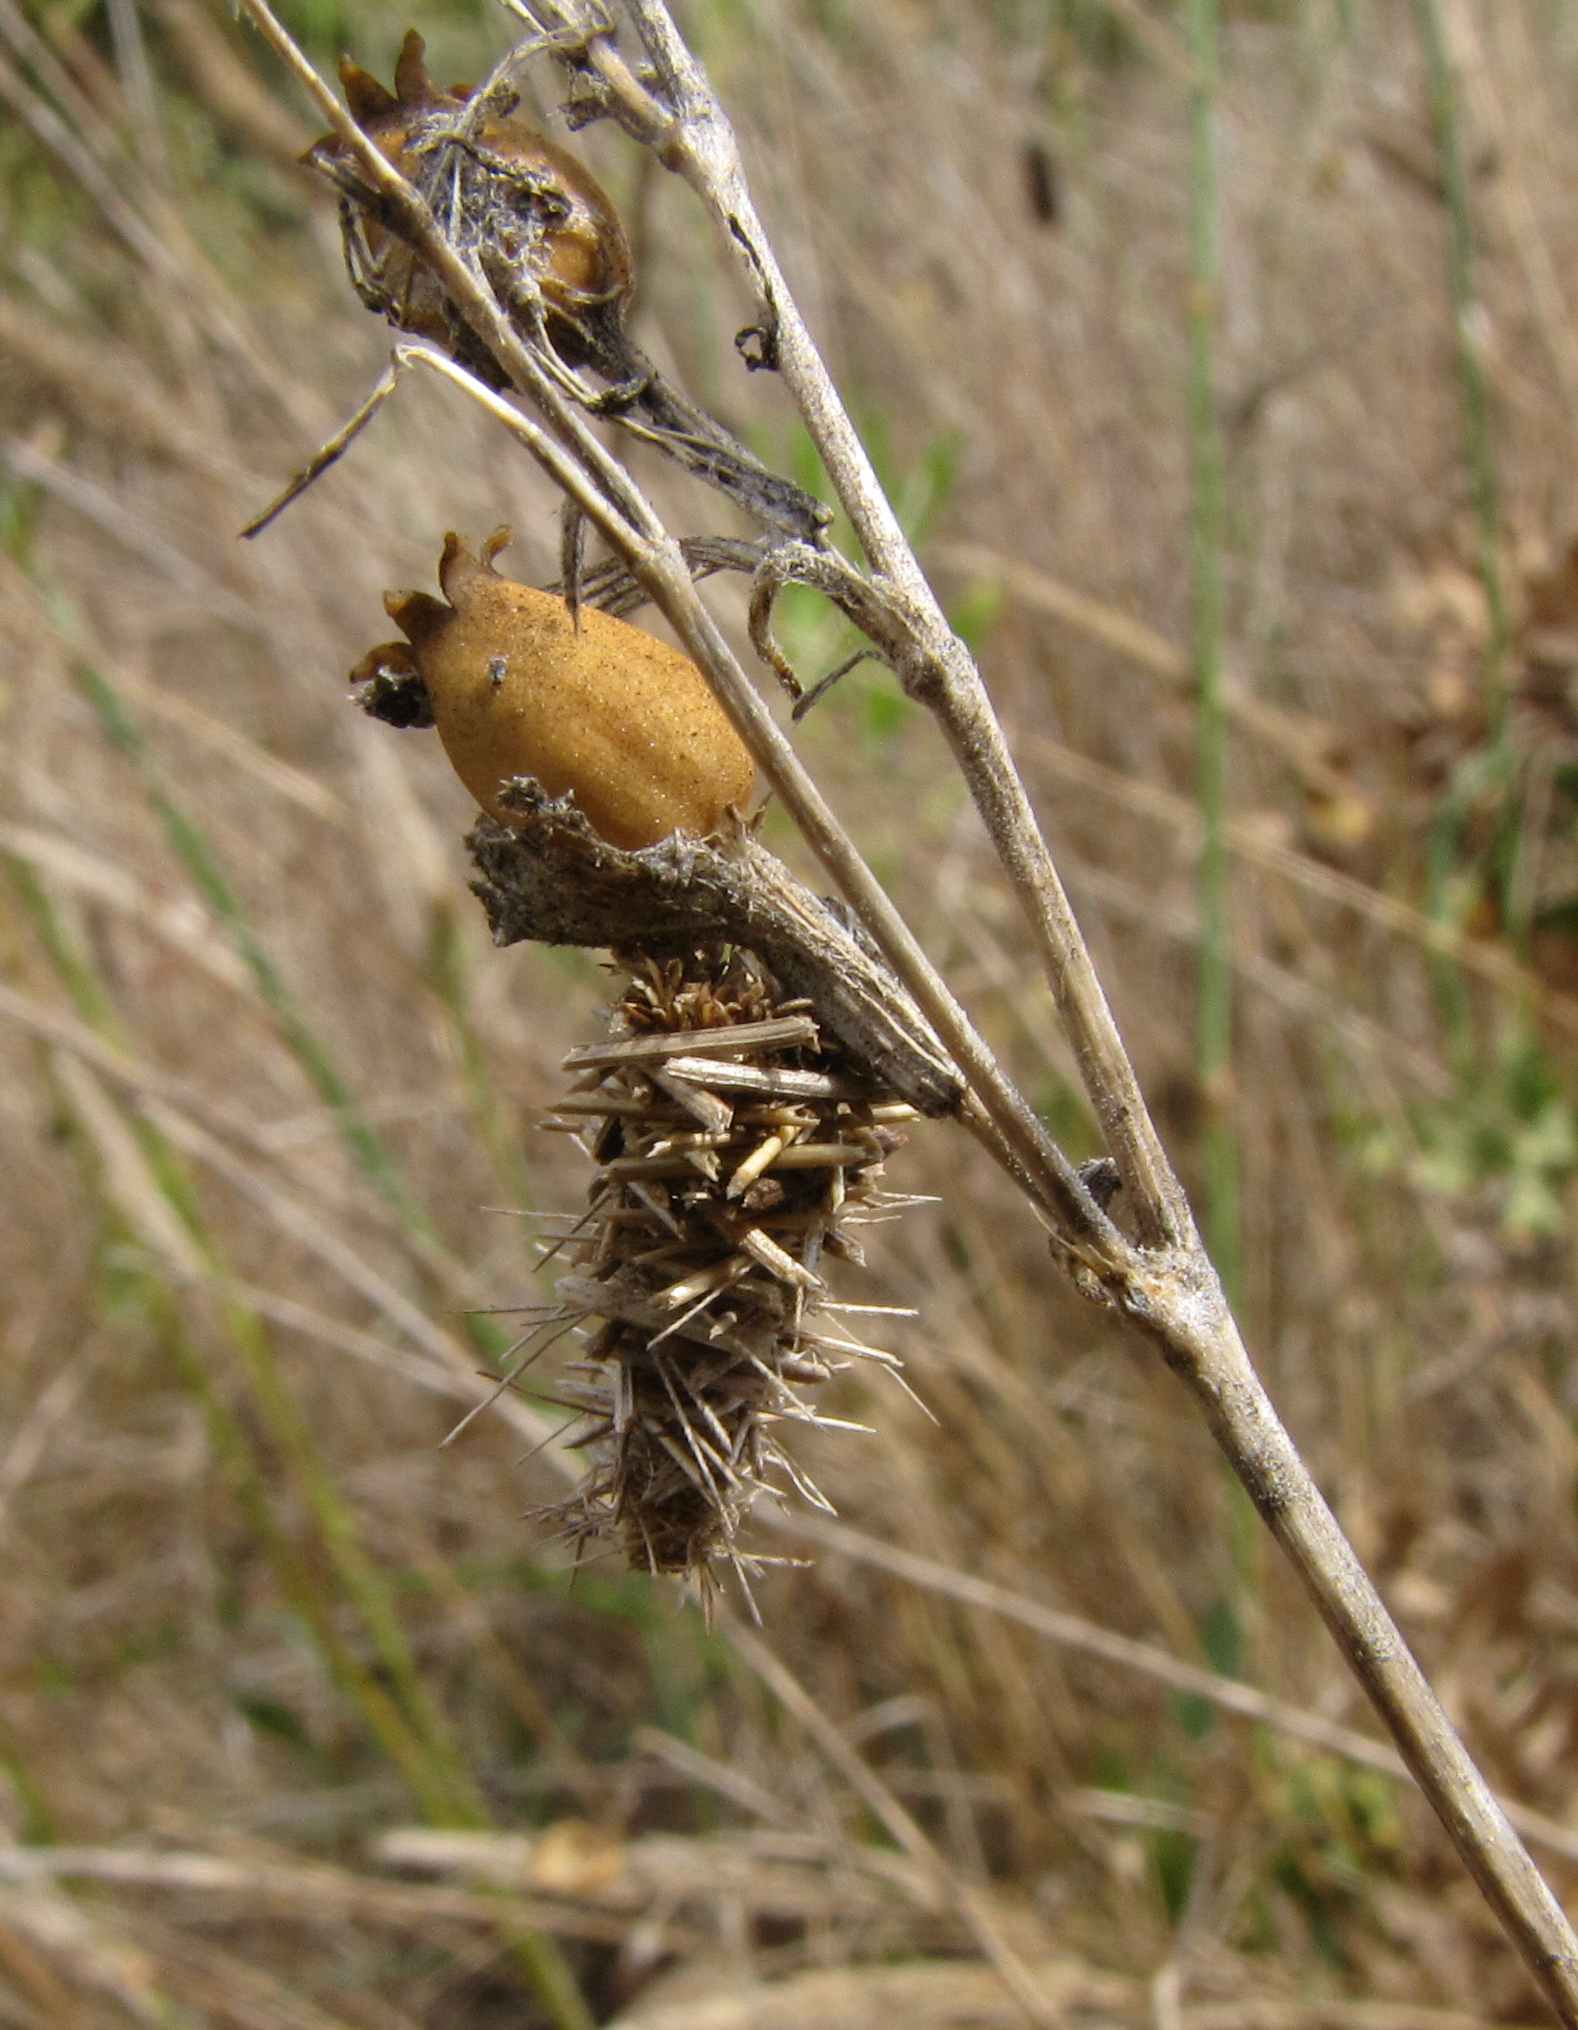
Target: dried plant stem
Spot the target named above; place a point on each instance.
(1167, 1285)
(1032, 1153)
(1219, 1373)
(937, 669)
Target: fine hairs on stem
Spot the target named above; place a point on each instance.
(1155, 1274)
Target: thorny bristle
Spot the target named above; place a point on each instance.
(735, 1150)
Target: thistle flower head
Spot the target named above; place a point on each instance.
(737, 1149)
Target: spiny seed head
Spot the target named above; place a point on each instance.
(736, 1152)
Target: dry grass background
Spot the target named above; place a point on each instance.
(232, 1549)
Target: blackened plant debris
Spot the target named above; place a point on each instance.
(737, 1152)
(531, 219)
